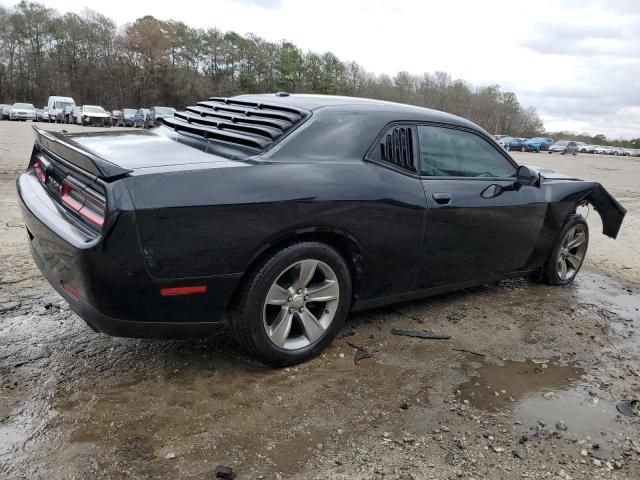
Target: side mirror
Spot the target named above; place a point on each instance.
(525, 176)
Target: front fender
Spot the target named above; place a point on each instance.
(609, 209)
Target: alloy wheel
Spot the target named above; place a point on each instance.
(572, 252)
(301, 304)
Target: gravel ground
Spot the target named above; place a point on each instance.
(526, 387)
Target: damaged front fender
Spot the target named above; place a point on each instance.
(609, 209)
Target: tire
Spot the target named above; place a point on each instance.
(572, 258)
(523, 149)
(254, 321)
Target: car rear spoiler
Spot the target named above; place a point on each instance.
(83, 158)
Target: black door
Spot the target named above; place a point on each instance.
(467, 236)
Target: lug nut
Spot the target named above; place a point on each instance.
(301, 309)
(306, 297)
(299, 290)
(289, 299)
(290, 309)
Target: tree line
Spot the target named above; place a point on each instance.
(155, 62)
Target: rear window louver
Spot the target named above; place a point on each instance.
(397, 147)
(247, 124)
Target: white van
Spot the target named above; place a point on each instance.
(56, 107)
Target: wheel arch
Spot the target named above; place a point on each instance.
(346, 244)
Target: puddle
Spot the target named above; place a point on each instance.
(601, 291)
(535, 392)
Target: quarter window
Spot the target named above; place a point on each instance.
(446, 152)
(396, 147)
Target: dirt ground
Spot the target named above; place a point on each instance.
(526, 387)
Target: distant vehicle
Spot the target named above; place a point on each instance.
(586, 148)
(157, 113)
(141, 118)
(513, 144)
(39, 114)
(6, 112)
(127, 117)
(537, 144)
(609, 150)
(22, 111)
(2, 105)
(600, 149)
(627, 152)
(564, 147)
(67, 114)
(91, 115)
(635, 152)
(45, 114)
(619, 151)
(499, 137)
(56, 106)
(113, 117)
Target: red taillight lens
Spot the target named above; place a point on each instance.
(84, 201)
(38, 167)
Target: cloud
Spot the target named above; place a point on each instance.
(261, 3)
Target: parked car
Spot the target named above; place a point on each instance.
(39, 114)
(142, 118)
(2, 105)
(6, 112)
(499, 137)
(157, 113)
(127, 117)
(564, 147)
(91, 115)
(600, 149)
(22, 111)
(586, 148)
(56, 107)
(278, 232)
(513, 144)
(45, 114)
(68, 113)
(114, 115)
(538, 144)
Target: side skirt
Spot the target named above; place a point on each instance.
(430, 292)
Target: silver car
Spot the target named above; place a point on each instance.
(22, 111)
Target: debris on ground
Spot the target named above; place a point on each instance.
(428, 334)
(223, 472)
(629, 408)
(361, 352)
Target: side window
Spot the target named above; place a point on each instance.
(455, 153)
(396, 147)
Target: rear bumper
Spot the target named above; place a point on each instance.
(115, 293)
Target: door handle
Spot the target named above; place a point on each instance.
(442, 198)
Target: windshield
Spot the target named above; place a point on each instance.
(129, 111)
(537, 139)
(165, 110)
(26, 106)
(61, 105)
(562, 142)
(91, 108)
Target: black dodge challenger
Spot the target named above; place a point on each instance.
(277, 215)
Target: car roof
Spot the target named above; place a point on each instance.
(315, 101)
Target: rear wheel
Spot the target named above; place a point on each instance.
(292, 306)
(568, 252)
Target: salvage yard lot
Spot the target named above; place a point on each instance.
(526, 386)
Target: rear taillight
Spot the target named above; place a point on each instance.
(39, 169)
(83, 200)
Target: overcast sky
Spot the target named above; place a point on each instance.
(577, 61)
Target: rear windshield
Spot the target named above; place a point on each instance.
(26, 106)
(129, 111)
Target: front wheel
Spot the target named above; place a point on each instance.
(291, 307)
(568, 252)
